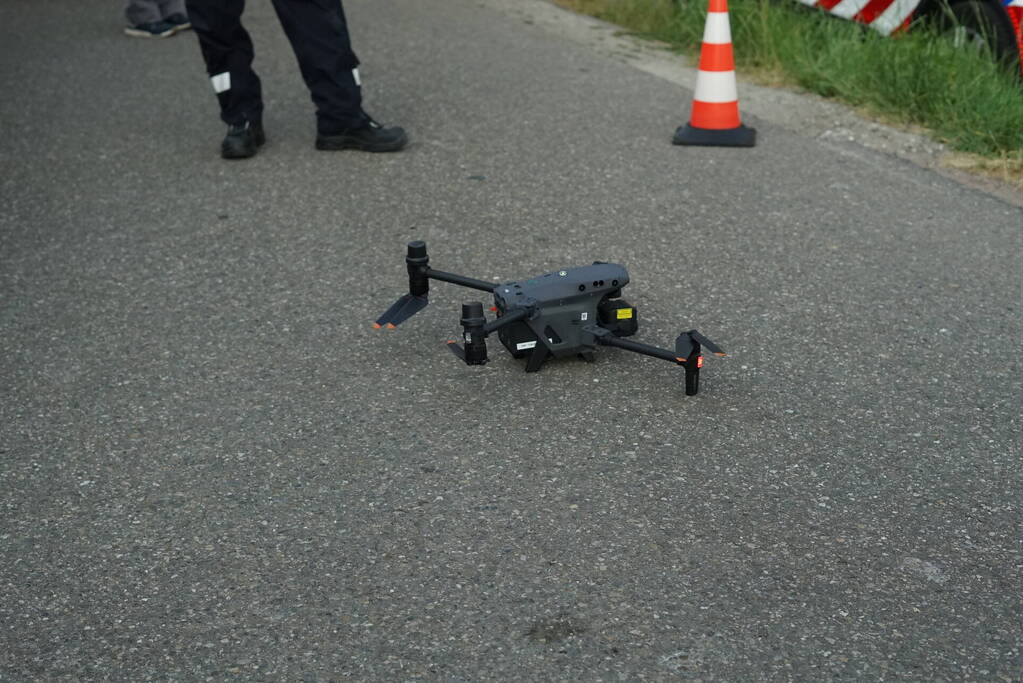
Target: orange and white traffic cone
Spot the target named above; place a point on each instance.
(714, 120)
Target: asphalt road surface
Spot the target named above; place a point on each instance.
(214, 468)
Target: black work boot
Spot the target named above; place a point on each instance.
(371, 137)
(242, 141)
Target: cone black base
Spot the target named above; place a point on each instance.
(708, 137)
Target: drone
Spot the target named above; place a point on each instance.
(558, 314)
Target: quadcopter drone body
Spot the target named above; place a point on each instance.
(563, 313)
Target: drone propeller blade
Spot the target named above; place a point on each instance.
(711, 346)
(456, 349)
(403, 309)
(687, 341)
(471, 354)
(684, 345)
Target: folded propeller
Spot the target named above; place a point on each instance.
(687, 354)
(402, 309)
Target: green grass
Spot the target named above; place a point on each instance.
(915, 78)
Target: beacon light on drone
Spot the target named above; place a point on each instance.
(563, 313)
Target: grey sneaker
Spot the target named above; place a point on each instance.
(155, 29)
(179, 21)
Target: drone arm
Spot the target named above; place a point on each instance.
(607, 339)
(457, 279)
(686, 354)
(506, 319)
(420, 272)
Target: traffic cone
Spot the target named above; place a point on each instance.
(714, 120)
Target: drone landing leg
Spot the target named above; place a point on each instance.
(537, 357)
(692, 368)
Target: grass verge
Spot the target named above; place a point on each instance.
(917, 78)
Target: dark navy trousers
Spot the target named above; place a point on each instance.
(318, 34)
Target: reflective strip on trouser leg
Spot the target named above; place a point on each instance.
(221, 82)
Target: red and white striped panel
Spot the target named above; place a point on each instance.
(1015, 10)
(883, 15)
(888, 16)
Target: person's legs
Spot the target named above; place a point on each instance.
(318, 33)
(228, 52)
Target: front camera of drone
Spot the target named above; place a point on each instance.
(619, 316)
